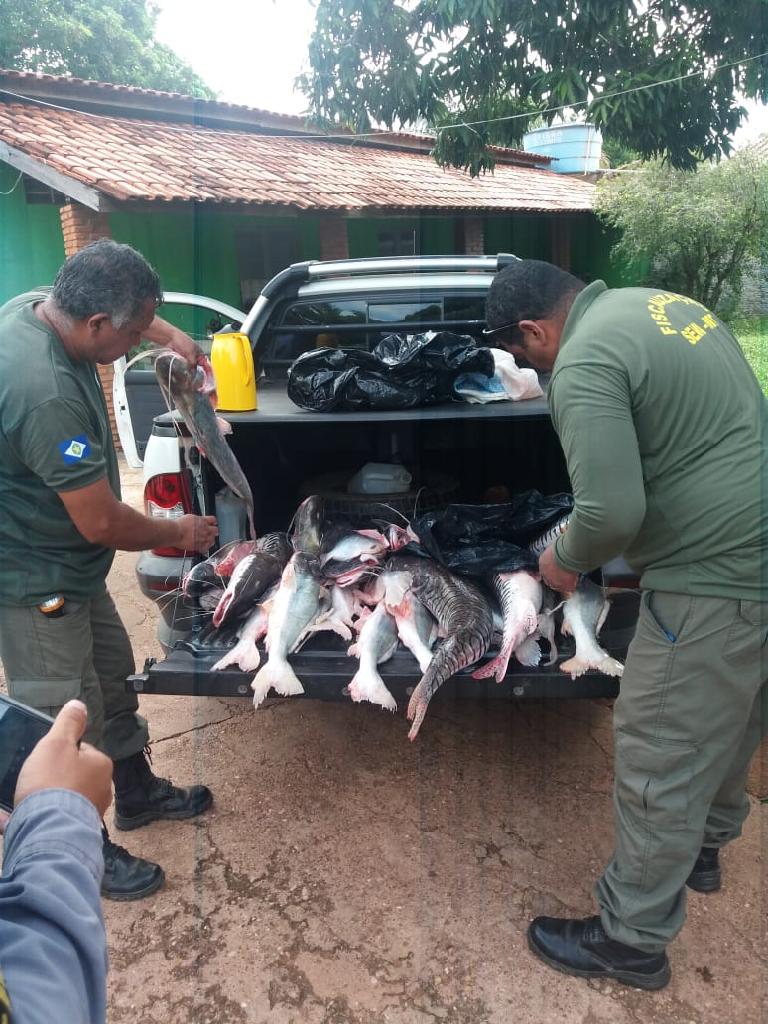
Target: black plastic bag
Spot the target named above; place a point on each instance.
(402, 372)
(478, 540)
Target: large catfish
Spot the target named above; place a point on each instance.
(188, 388)
(465, 619)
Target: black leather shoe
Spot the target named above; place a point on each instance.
(127, 877)
(706, 875)
(582, 948)
(141, 797)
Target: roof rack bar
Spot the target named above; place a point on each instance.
(408, 264)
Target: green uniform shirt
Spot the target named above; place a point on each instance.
(54, 437)
(663, 425)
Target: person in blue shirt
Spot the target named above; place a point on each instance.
(53, 947)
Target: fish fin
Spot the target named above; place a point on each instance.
(224, 662)
(603, 615)
(374, 535)
(528, 652)
(565, 628)
(220, 612)
(249, 660)
(495, 667)
(224, 427)
(369, 686)
(278, 675)
(575, 667)
(610, 667)
(331, 625)
(553, 655)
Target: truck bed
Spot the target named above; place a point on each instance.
(284, 449)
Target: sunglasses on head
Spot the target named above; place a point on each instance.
(487, 332)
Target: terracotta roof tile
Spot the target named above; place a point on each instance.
(62, 86)
(130, 159)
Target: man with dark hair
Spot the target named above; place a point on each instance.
(61, 520)
(663, 425)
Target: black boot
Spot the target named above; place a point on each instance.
(705, 876)
(127, 877)
(141, 797)
(582, 948)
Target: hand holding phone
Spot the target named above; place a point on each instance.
(58, 762)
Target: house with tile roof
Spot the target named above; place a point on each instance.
(219, 197)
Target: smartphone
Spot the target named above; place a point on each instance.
(20, 729)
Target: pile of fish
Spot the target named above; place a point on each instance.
(366, 586)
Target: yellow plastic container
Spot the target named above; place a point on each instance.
(232, 363)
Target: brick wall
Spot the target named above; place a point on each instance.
(333, 239)
(79, 226)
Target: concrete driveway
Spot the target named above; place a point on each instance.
(346, 876)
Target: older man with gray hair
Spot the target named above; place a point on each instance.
(61, 521)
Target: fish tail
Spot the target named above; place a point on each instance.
(417, 710)
(278, 675)
(496, 667)
(528, 652)
(368, 685)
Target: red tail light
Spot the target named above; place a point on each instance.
(167, 496)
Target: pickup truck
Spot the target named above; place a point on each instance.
(454, 452)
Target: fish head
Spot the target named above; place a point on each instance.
(303, 564)
(400, 536)
(175, 375)
(306, 534)
(199, 578)
(276, 544)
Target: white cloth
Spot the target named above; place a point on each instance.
(508, 383)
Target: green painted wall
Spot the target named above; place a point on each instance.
(528, 236)
(31, 245)
(195, 250)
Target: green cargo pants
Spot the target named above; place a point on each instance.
(692, 708)
(83, 653)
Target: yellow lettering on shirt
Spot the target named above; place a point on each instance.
(694, 332)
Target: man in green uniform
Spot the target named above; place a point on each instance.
(664, 429)
(61, 520)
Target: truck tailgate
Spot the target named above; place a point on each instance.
(325, 670)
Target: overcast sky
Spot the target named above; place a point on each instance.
(250, 51)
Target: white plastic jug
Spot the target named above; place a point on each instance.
(231, 516)
(380, 478)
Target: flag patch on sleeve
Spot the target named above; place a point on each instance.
(75, 449)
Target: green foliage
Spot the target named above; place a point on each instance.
(107, 40)
(404, 62)
(753, 337)
(691, 229)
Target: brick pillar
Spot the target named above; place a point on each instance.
(79, 226)
(561, 242)
(334, 244)
(474, 236)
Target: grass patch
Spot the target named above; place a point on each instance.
(752, 333)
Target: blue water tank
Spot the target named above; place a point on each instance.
(574, 148)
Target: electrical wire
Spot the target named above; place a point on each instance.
(377, 134)
(13, 187)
